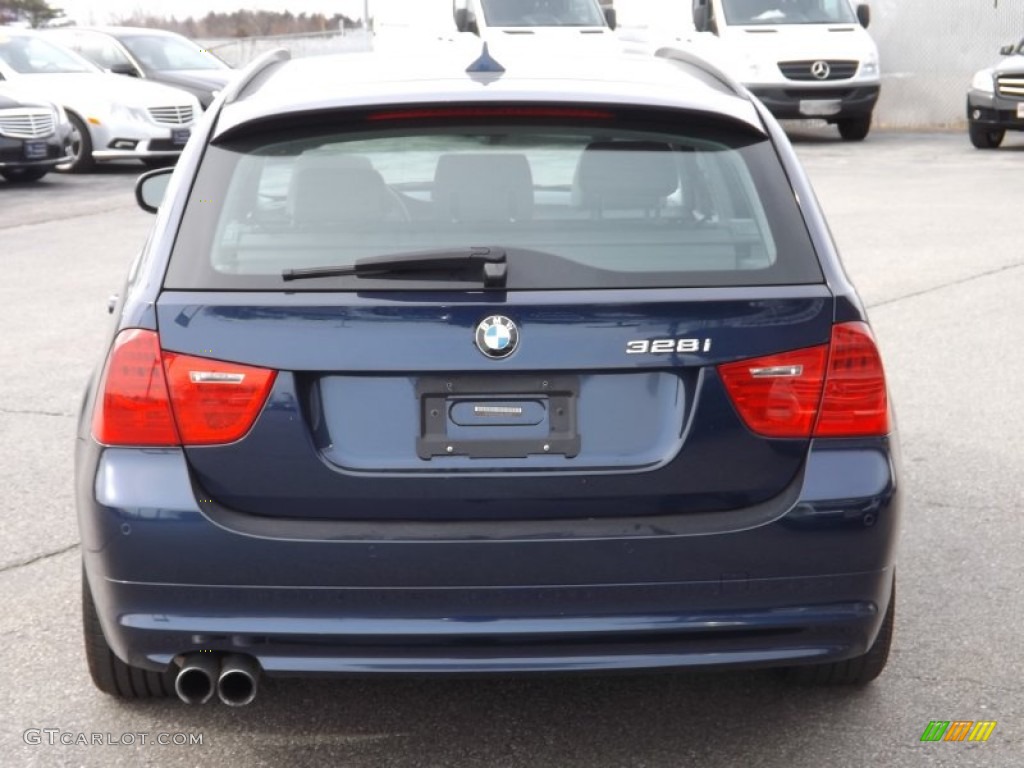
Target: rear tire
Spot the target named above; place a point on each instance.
(23, 175)
(854, 128)
(857, 671)
(108, 672)
(985, 138)
(81, 148)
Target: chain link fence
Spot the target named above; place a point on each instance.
(930, 49)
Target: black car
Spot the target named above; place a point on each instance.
(151, 54)
(995, 103)
(35, 136)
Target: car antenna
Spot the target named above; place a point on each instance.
(485, 64)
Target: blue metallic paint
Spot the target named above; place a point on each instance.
(804, 575)
(816, 573)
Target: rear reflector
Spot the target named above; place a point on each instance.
(855, 403)
(834, 390)
(149, 397)
(778, 395)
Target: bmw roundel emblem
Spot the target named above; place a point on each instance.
(497, 336)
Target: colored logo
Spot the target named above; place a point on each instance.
(821, 70)
(497, 336)
(958, 730)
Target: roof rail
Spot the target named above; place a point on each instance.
(688, 57)
(252, 71)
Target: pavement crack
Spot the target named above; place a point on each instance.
(37, 558)
(34, 412)
(950, 284)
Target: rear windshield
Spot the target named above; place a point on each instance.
(586, 201)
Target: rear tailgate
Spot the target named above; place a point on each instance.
(384, 407)
(644, 248)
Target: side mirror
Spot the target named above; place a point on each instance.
(465, 21)
(124, 68)
(610, 17)
(701, 16)
(864, 14)
(151, 187)
(1008, 50)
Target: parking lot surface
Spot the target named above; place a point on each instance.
(931, 233)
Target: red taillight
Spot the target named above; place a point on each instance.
(835, 390)
(132, 407)
(150, 398)
(778, 395)
(855, 402)
(455, 113)
(213, 401)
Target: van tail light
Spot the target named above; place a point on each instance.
(149, 397)
(833, 390)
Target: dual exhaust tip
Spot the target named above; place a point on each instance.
(234, 678)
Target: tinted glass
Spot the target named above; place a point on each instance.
(31, 56)
(162, 53)
(542, 13)
(574, 206)
(744, 12)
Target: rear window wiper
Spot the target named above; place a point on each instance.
(489, 263)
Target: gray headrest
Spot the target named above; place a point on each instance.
(481, 186)
(626, 174)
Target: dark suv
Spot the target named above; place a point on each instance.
(458, 366)
(35, 136)
(995, 102)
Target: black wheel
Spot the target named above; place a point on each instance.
(854, 128)
(109, 673)
(857, 671)
(985, 138)
(81, 148)
(20, 175)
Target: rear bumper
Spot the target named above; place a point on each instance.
(791, 102)
(806, 581)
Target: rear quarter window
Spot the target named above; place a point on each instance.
(601, 203)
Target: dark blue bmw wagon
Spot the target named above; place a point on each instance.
(454, 366)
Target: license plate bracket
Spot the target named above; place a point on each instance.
(439, 435)
(820, 107)
(180, 136)
(35, 150)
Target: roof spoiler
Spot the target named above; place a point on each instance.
(687, 57)
(237, 86)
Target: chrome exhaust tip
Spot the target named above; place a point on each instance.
(238, 680)
(197, 677)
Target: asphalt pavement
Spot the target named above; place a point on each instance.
(930, 229)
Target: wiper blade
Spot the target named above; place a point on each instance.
(491, 264)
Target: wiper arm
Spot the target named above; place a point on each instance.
(491, 264)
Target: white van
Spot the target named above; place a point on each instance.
(564, 26)
(802, 58)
